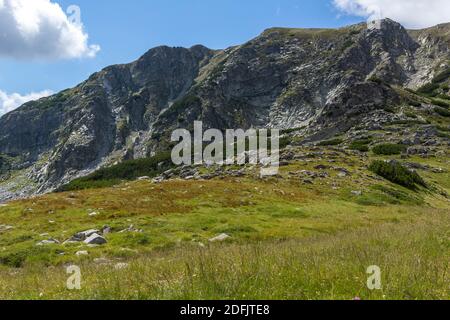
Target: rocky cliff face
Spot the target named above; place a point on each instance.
(322, 81)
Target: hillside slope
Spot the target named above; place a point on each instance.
(309, 233)
(323, 82)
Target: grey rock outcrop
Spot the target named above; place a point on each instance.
(324, 81)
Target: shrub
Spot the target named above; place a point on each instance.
(444, 75)
(333, 142)
(443, 128)
(4, 163)
(291, 130)
(440, 103)
(414, 103)
(389, 149)
(442, 134)
(360, 145)
(408, 122)
(375, 79)
(86, 183)
(398, 174)
(284, 142)
(389, 109)
(442, 112)
(183, 104)
(443, 96)
(428, 89)
(347, 44)
(127, 170)
(410, 114)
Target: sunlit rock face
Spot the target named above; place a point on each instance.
(325, 81)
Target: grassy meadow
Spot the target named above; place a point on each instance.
(289, 239)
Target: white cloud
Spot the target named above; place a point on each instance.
(410, 13)
(39, 29)
(9, 102)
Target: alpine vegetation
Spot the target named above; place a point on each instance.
(239, 147)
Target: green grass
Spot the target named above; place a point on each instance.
(289, 240)
(413, 257)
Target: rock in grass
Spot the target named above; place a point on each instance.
(95, 239)
(102, 261)
(81, 236)
(220, 238)
(106, 230)
(82, 253)
(121, 266)
(4, 227)
(47, 242)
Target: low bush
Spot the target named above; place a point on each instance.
(443, 134)
(389, 149)
(411, 114)
(284, 142)
(183, 104)
(398, 174)
(441, 103)
(444, 96)
(360, 145)
(127, 170)
(428, 89)
(443, 128)
(444, 75)
(333, 142)
(442, 112)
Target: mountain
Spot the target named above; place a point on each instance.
(317, 82)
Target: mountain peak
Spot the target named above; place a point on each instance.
(323, 80)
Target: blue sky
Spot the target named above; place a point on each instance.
(125, 30)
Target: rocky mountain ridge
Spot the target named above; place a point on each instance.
(318, 82)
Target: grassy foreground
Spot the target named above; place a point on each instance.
(414, 259)
(289, 239)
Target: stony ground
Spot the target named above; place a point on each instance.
(207, 233)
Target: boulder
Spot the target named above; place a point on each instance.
(95, 239)
(106, 230)
(4, 228)
(121, 266)
(220, 238)
(47, 242)
(86, 234)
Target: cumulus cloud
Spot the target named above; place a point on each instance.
(40, 29)
(9, 102)
(410, 13)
